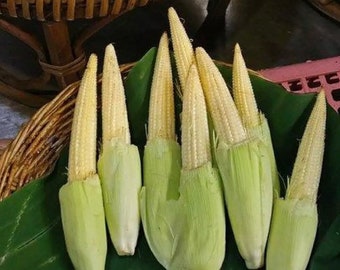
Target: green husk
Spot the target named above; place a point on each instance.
(200, 229)
(262, 132)
(82, 216)
(245, 170)
(162, 164)
(119, 170)
(184, 226)
(291, 239)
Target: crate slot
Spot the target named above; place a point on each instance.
(313, 82)
(336, 94)
(295, 85)
(332, 78)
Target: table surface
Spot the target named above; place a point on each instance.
(270, 33)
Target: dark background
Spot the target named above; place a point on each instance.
(271, 33)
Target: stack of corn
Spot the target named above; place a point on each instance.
(245, 156)
(181, 201)
(244, 152)
(182, 209)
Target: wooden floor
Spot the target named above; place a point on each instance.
(270, 33)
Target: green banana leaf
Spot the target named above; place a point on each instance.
(137, 92)
(31, 235)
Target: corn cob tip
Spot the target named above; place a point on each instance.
(171, 11)
(237, 48)
(243, 91)
(173, 15)
(164, 38)
(92, 62)
(183, 51)
(110, 50)
(307, 169)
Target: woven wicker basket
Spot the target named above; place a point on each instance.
(36, 148)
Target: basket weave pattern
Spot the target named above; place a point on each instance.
(56, 10)
(36, 148)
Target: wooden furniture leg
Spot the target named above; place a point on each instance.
(31, 41)
(329, 7)
(65, 61)
(17, 89)
(58, 43)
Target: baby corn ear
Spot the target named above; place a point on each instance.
(183, 51)
(162, 162)
(81, 201)
(254, 121)
(119, 165)
(295, 218)
(200, 228)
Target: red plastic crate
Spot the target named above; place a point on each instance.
(310, 77)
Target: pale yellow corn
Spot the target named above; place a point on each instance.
(119, 165)
(161, 110)
(183, 51)
(81, 200)
(305, 178)
(114, 112)
(295, 217)
(195, 133)
(226, 118)
(243, 91)
(83, 144)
